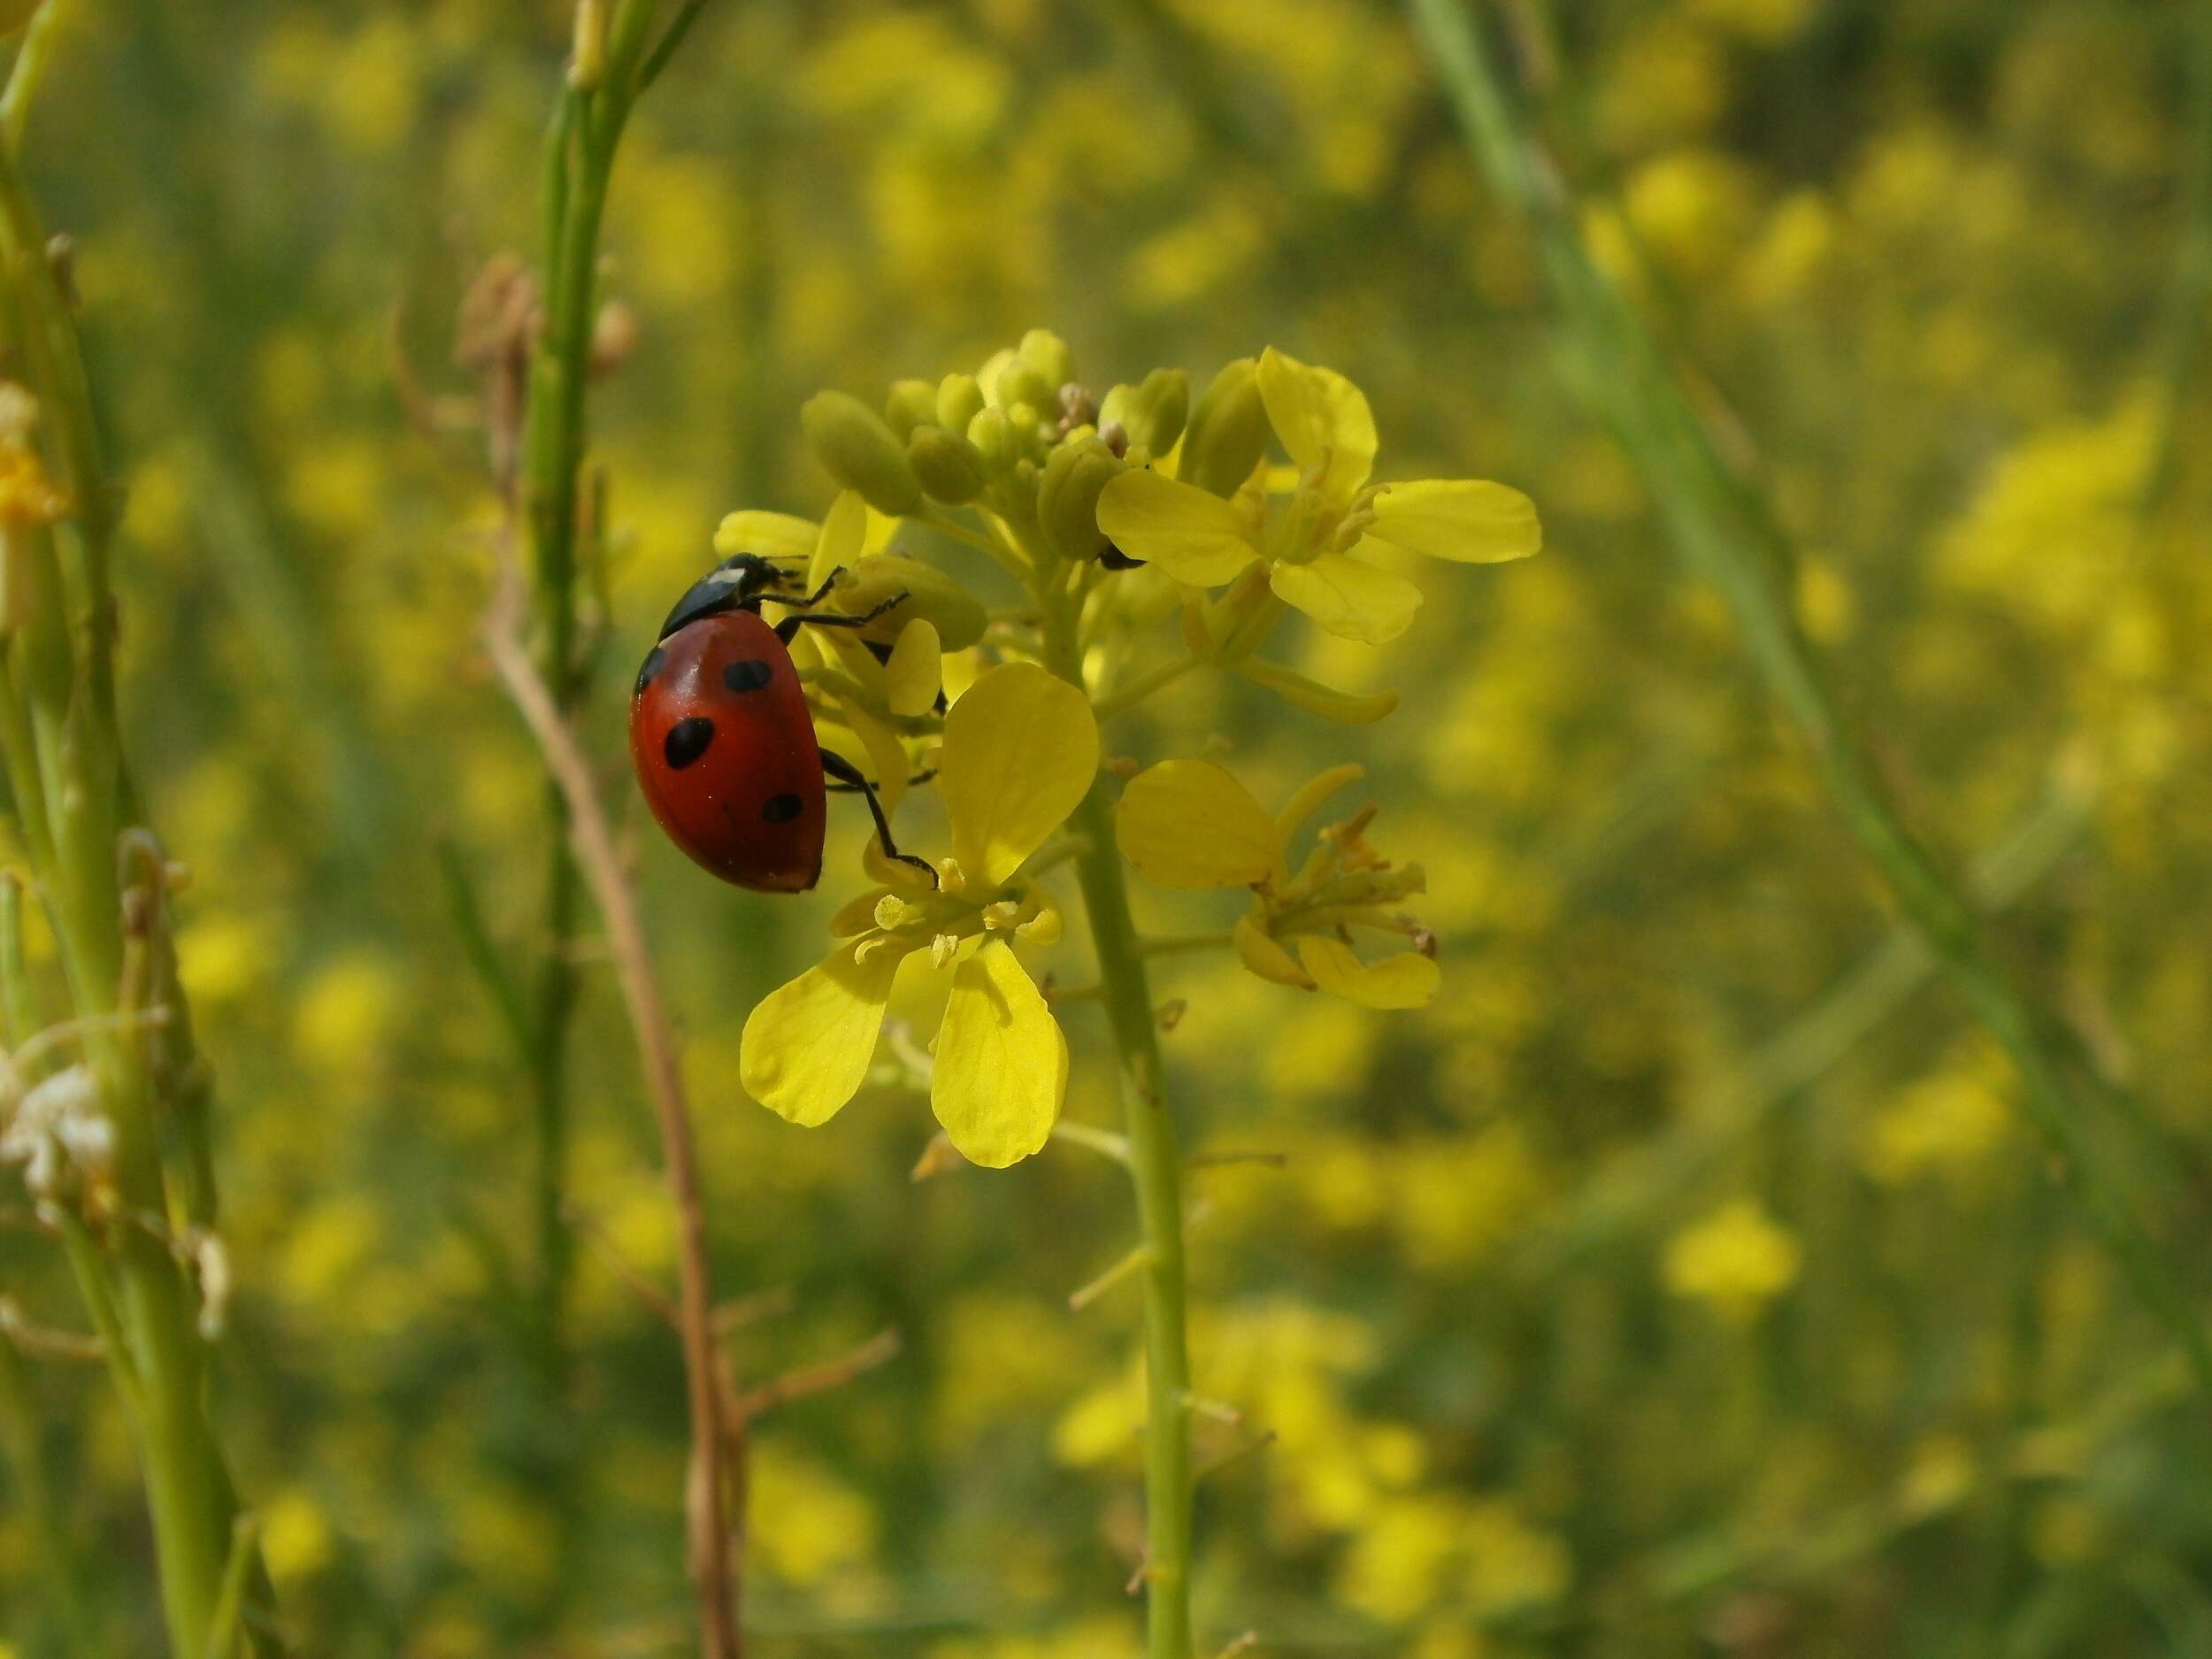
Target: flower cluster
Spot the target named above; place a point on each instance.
(1112, 513)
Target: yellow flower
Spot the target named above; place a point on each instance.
(1020, 751)
(1737, 1260)
(1190, 824)
(1316, 547)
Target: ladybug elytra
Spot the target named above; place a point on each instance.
(723, 741)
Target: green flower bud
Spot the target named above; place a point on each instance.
(959, 401)
(1151, 415)
(931, 595)
(1030, 433)
(1048, 355)
(949, 467)
(1228, 431)
(911, 404)
(988, 433)
(1067, 497)
(857, 450)
(1020, 381)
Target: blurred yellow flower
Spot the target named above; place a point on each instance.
(1190, 824)
(1318, 550)
(1736, 1261)
(1020, 751)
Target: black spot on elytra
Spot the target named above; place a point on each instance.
(781, 809)
(654, 658)
(687, 739)
(748, 675)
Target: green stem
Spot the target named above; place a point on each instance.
(1156, 1169)
(65, 711)
(1130, 693)
(1724, 530)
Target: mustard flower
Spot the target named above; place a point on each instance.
(1316, 546)
(1190, 824)
(1019, 753)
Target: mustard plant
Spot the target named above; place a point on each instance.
(106, 1112)
(619, 50)
(1116, 519)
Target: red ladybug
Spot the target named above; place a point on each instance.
(722, 739)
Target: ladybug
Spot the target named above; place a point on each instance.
(723, 741)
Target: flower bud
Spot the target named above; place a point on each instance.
(911, 404)
(1152, 414)
(1020, 381)
(959, 401)
(857, 450)
(1228, 430)
(1067, 497)
(931, 596)
(950, 468)
(1048, 355)
(988, 433)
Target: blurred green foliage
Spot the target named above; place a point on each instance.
(1682, 1282)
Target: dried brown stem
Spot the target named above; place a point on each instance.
(815, 1380)
(706, 1512)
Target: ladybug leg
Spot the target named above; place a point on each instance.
(854, 789)
(821, 593)
(837, 767)
(788, 630)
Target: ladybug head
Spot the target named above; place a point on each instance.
(738, 583)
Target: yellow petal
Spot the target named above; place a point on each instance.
(806, 1045)
(1020, 750)
(885, 764)
(1346, 708)
(1407, 979)
(843, 526)
(1351, 600)
(1264, 957)
(910, 677)
(1190, 824)
(776, 535)
(1002, 1060)
(1321, 419)
(1471, 521)
(1194, 536)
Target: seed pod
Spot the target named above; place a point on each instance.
(1228, 430)
(860, 451)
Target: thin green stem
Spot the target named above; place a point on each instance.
(1156, 1169)
(1129, 693)
(31, 60)
(1724, 531)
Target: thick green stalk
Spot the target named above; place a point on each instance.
(1724, 531)
(1155, 1168)
(60, 682)
(581, 145)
